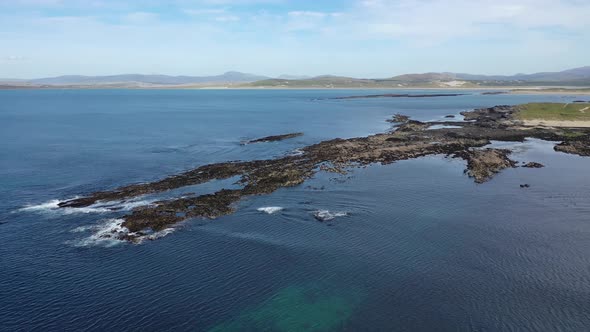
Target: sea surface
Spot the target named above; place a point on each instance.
(413, 246)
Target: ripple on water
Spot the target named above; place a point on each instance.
(296, 308)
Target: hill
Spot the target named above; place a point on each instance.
(577, 77)
(228, 77)
(571, 77)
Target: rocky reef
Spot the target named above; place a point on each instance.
(273, 138)
(403, 95)
(533, 164)
(579, 147)
(482, 165)
(409, 139)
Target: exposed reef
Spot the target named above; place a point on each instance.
(579, 147)
(398, 118)
(273, 138)
(404, 95)
(408, 140)
(482, 165)
(494, 93)
(533, 164)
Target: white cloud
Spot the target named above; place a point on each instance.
(13, 58)
(442, 20)
(140, 17)
(207, 11)
(378, 37)
(227, 18)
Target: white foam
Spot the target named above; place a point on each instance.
(270, 209)
(121, 205)
(109, 233)
(297, 152)
(52, 206)
(82, 229)
(156, 235)
(105, 235)
(326, 215)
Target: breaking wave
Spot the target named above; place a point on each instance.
(297, 152)
(109, 233)
(270, 209)
(104, 235)
(52, 206)
(325, 215)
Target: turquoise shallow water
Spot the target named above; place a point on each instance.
(417, 245)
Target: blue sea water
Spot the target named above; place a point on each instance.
(415, 245)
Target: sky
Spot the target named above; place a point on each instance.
(360, 38)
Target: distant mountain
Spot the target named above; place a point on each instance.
(229, 77)
(570, 75)
(573, 77)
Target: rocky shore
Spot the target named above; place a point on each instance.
(407, 140)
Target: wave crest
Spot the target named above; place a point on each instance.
(326, 215)
(270, 209)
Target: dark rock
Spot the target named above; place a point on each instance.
(412, 126)
(273, 138)
(482, 165)
(581, 148)
(533, 164)
(494, 92)
(492, 114)
(398, 118)
(450, 116)
(395, 95)
(526, 185)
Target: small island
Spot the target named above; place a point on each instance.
(408, 139)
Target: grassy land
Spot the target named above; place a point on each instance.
(555, 111)
(583, 91)
(326, 82)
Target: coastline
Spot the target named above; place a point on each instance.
(468, 140)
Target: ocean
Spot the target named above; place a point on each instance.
(412, 246)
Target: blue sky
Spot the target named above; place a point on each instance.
(362, 38)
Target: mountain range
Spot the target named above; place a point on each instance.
(575, 77)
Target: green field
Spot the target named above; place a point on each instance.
(555, 111)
